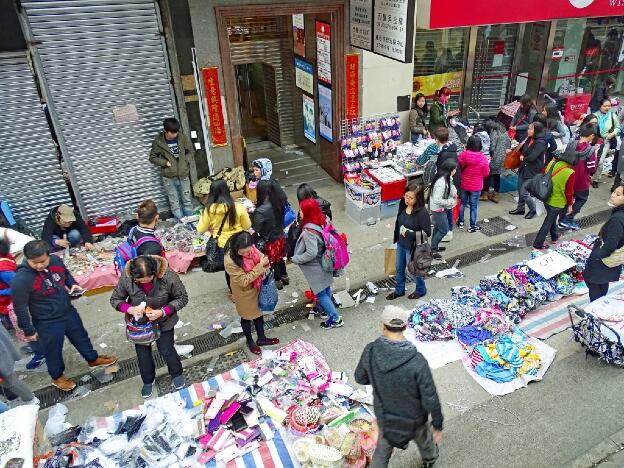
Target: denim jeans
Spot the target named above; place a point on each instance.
(449, 218)
(472, 199)
(403, 256)
(165, 345)
(548, 226)
(440, 228)
(74, 237)
(325, 301)
(179, 194)
(524, 196)
(580, 198)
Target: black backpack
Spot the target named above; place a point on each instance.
(541, 185)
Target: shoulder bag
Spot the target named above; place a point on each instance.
(268, 295)
(214, 254)
(512, 160)
(422, 257)
(140, 332)
(511, 132)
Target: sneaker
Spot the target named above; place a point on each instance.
(64, 384)
(146, 391)
(331, 324)
(460, 225)
(474, 229)
(35, 362)
(448, 237)
(574, 226)
(563, 224)
(179, 382)
(184, 350)
(436, 256)
(103, 361)
(279, 285)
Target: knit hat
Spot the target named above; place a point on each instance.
(65, 214)
(394, 316)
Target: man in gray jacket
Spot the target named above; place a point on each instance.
(404, 392)
(173, 152)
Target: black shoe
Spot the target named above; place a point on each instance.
(530, 215)
(611, 175)
(285, 280)
(517, 211)
(436, 256)
(279, 285)
(595, 184)
(441, 249)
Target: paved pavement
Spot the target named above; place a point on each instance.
(572, 418)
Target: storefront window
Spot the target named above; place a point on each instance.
(439, 60)
(586, 53)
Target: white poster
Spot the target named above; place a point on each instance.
(298, 21)
(325, 112)
(550, 264)
(323, 52)
(361, 23)
(391, 28)
(304, 75)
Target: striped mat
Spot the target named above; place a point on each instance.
(553, 318)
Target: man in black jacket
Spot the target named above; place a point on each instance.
(41, 292)
(403, 389)
(64, 228)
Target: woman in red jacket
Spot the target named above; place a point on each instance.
(475, 167)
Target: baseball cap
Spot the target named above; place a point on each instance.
(66, 214)
(394, 316)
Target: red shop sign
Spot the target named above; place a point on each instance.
(458, 13)
(213, 104)
(353, 86)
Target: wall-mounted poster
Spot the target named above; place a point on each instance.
(309, 126)
(304, 75)
(361, 23)
(323, 52)
(325, 113)
(394, 29)
(353, 86)
(298, 29)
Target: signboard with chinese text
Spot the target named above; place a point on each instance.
(361, 23)
(309, 125)
(326, 123)
(213, 105)
(353, 86)
(304, 75)
(298, 30)
(575, 106)
(393, 33)
(323, 52)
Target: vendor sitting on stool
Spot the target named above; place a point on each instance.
(64, 228)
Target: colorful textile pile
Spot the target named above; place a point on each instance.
(456, 313)
(430, 324)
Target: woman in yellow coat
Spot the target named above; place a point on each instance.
(246, 266)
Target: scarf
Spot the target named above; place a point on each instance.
(266, 168)
(249, 262)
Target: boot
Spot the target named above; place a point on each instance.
(484, 196)
(64, 384)
(493, 197)
(103, 361)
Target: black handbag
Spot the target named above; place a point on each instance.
(213, 261)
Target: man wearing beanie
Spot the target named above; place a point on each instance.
(404, 392)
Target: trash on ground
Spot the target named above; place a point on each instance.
(485, 258)
(511, 227)
(103, 345)
(450, 273)
(370, 299)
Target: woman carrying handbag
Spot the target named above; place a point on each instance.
(151, 295)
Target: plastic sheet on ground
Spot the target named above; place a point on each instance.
(437, 353)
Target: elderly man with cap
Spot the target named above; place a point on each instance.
(404, 392)
(65, 228)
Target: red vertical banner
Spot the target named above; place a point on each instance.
(353, 86)
(213, 104)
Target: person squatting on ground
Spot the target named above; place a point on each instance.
(42, 303)
(474, 168)
(611, 237)
(222, 214)
(148, 279)
(500, 144)
(411, 218)
(173, 153)
(443, 197)
(268, 224)
(448, 150)
(247, 266)
(64, 227)
(307, 255)
(404, 393)
(532, 162)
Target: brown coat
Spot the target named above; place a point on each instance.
(245, 295)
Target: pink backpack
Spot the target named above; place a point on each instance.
(336, 255)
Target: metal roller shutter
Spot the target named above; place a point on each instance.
(97, 54)
(31, 179)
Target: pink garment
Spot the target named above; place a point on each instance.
(250, 261)
(474, 168)
(584, 169)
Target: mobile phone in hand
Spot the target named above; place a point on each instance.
(77, 292)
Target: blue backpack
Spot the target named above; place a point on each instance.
(127, 250)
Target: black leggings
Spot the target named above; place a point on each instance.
(597, 290)
(227, 280)
(279, 270)
(259, 325)
(493, 180)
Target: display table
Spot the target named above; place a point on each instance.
(391, 182)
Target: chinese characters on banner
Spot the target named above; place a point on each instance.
(298, 29)
(213, 104)
(309, 126)
(394, 25)
(352, 86)
(325, 113)
(323, 52)
(361, 23)
(304, 75)
(575, 106)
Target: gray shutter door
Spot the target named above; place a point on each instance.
(31, 178)
(96, 55)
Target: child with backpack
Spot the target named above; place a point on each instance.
(584, 168)
(448, 150)
(443, 196)
(475, 167)
(313, 254)
(560, 200)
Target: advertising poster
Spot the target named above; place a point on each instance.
(298, 30)
(323, 52)
(325, 112)
(575, 106)
(353, 86)
(361, 23)
(309, 127)
(214, 106)
(304, 75)
(430, 83)
(394, 24)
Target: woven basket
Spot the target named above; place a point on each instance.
(324, 456)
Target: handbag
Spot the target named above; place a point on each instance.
(397, 429)
(422, 257)
(511, 132)
(512, 160)
(268, 295)
(214, 254)
(141, 333)
(615, 259)
(289, 215)
(541, 185)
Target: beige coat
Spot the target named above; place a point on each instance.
(245, 295)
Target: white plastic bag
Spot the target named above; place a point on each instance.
(56, 420)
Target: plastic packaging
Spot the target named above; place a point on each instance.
(56, 420)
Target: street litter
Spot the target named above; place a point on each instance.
(449, 273)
